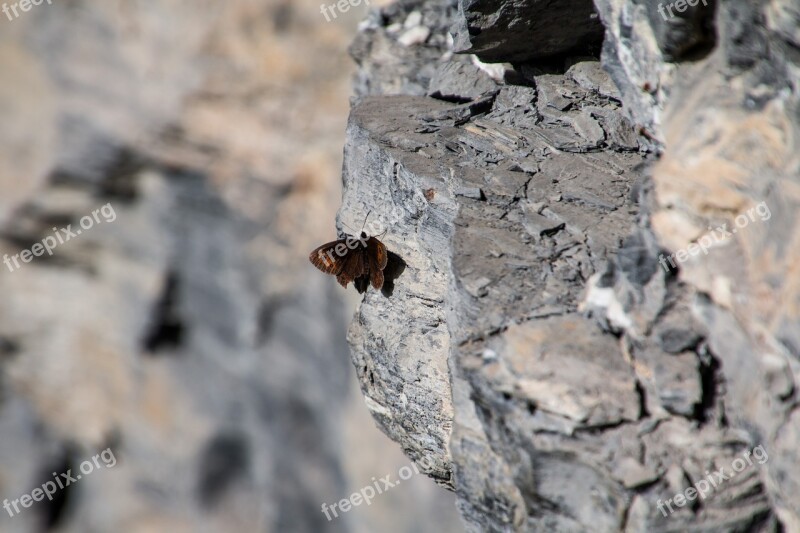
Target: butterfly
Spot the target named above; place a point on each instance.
(359, 259)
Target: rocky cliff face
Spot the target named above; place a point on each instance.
(187, 334)
(595, 319)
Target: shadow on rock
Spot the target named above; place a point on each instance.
(394, 267)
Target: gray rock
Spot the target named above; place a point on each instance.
(620, 133)
(591, 76)
(538, 225)
(588, 128)
(470, 192)
(552, 375)
(678, 339)
(709, 100)
(386, 66)
(457, 81)
(688, 32)
(519, 31)
(584, 385)
(631, 473)
(678, 383)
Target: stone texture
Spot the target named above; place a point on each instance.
(386, 66)
(457, 81)
(583, 381)
(723, 115)
(521, 31)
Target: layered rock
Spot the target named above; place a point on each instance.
(542, 348)
(726, 118)
(526, 30)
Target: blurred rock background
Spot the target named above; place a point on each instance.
(190, 335)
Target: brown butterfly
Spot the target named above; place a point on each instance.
(357, 259)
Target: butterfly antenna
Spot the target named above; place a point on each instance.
(345, 225)
(365, 221)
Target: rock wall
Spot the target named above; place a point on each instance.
(575, 343)
(729, 130)
(188, 335)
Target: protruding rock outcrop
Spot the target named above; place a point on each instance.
(548, 346)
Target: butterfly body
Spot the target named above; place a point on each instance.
(360, 260)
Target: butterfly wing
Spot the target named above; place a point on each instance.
(378, 258)
(361, 265)
(377, 249)
(327, 260)
(376, 277)
(353, 267)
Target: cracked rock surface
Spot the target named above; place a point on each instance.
(535, 350)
